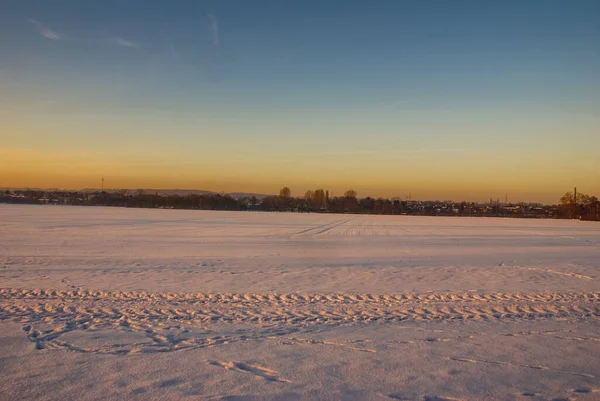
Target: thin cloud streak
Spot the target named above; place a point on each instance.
(56, 36)
(385, 151)
(214, 30)
(125, 43)
(46, 32)
(174, 52)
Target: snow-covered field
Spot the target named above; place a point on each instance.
(111, 303)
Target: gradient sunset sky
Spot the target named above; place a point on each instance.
(462, 100)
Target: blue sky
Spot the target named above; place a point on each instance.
(387, 85)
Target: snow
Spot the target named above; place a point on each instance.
(112, 303)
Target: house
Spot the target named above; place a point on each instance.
(592, 212)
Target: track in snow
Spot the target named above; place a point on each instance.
(166, 322)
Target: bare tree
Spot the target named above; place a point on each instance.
(285, 193)
(319, 197)
(308, 194)
(350, 203)
(350, 193)
(569, 199)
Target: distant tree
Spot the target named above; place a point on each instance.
(593, 210)
(366, 205)
(569, 199)
(308, 195)
(285, 193)
(269, 203)
(388, 207)
(319, 197)
(350, 193)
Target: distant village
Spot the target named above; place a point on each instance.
(571, 205)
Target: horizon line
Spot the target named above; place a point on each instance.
(211, 192)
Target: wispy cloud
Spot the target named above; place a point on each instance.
(125, 43)
(214, 30)
(174, 52)
(386, 151)
(45, 31)
(54, 35)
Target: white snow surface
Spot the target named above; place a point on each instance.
(112, 303)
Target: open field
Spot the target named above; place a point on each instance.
(100, 303)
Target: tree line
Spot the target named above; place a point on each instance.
(579, 206)
(571, 206)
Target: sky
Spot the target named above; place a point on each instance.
(461, 100)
